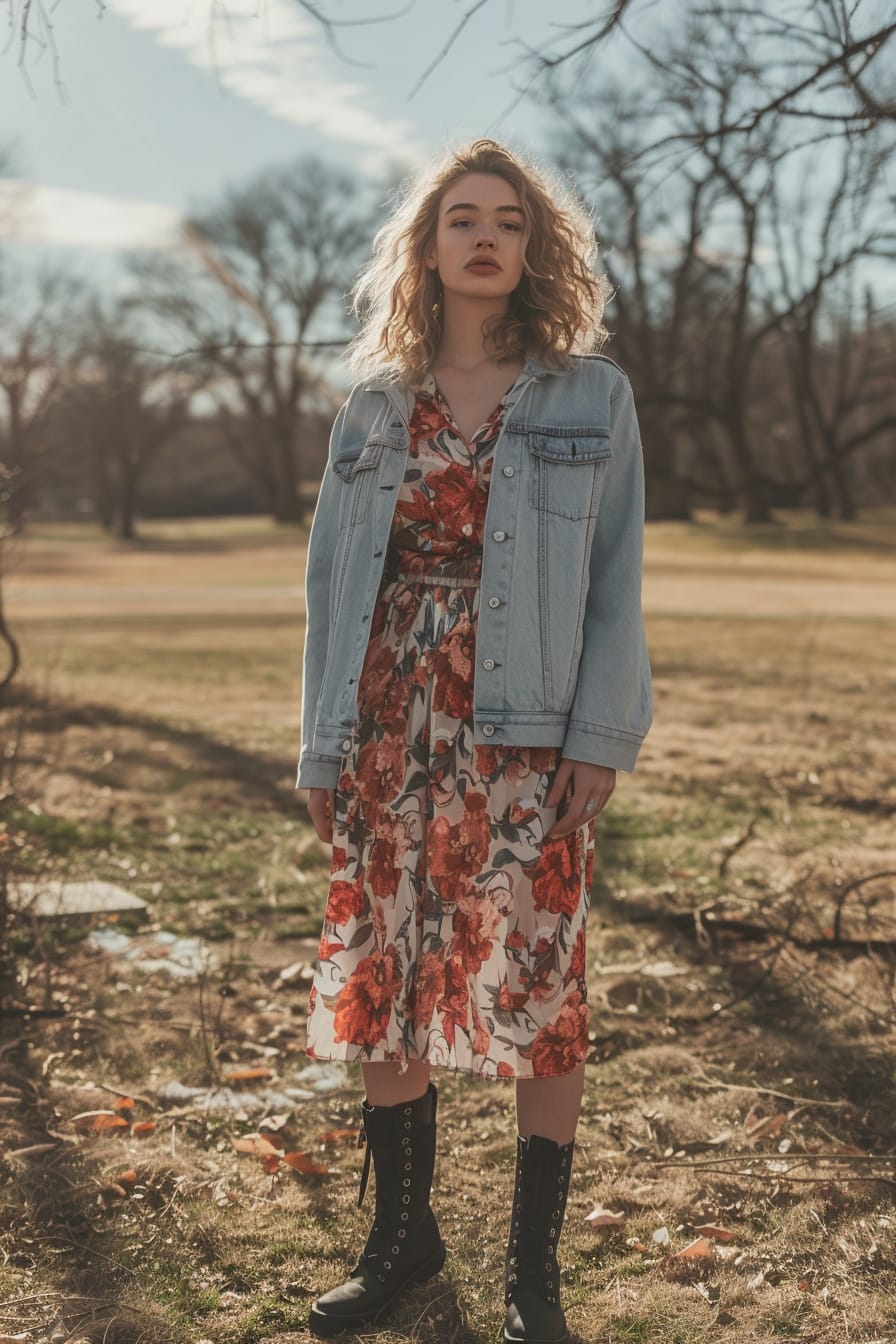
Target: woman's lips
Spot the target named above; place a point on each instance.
(482, 266)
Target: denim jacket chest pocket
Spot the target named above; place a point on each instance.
(567, 469)
(355, 464)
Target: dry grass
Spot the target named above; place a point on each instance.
(161, 712)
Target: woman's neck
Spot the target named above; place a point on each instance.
(462, 345)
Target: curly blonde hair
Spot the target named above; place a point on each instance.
(555, 310)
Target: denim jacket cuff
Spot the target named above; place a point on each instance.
(319, 772)
(601, 746)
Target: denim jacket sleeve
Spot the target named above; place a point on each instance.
(612, 709)
(315, 770)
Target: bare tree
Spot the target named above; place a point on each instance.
(691, 246)
(123, 406)
(35, 347)
(263, 289)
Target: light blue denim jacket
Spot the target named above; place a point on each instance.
(561, 655)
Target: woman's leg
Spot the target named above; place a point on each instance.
(385, 1086)
(550, 1106)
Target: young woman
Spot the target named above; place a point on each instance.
(475, 672)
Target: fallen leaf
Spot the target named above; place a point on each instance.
(717, 1233)
(600, 1217)
(700, 1247)
(127, 1178)
(336, 1135)
(143, 1127)
(124, 1103)
(661, 1235)
(302, 1162)
(247, 1075)
(97, 1121)
(771, 1124)
(256, 1145)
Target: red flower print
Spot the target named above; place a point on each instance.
(346, 901)
(452, 668)
(455, 1003)
(577, 962)
(563, 1043)
(427, 988)
(427, 419)
(476, 921)
(556, 887)
(458, 848)
(366, 999)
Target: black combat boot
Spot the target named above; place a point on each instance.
(404, 1245)
(531, 1272)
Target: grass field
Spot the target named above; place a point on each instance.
(741, 964)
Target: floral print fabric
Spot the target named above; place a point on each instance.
(453, 932)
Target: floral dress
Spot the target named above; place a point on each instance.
(453, 932)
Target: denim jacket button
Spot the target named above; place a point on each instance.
(488, 663)
(499, 536)
(494, 601)
(488, 729)
(346, 744)
(508, 471)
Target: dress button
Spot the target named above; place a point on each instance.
(494, 601)
(467, 529)
(488, 729)
(508, 471)
(488, 663)
(499, 536)
(346, 744)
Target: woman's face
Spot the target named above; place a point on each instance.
(480, 237)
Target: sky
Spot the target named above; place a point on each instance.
(143, 110)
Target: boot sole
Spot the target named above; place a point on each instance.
(325, 1327)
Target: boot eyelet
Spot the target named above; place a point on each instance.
(556, 1213)
(381, 1277)
(395, 1250)
(407, 1110)
(405, 1199)
(402, 1230)
(553, 1231)
(387, 1264)
(404, 1216)
(406, 1181)
(407, 1124)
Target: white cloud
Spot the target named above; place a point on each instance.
(269, 53)
(32, 213)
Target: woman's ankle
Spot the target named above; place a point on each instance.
(385, 1085)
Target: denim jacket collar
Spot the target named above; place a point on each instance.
(403, 398)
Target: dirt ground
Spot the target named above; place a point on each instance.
(741, 967)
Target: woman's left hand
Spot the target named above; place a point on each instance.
(586, 781)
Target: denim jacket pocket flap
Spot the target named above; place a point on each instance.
(572, 447)
(352, 458)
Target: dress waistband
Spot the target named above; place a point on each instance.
(454, 572)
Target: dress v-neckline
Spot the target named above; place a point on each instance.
(470, 444)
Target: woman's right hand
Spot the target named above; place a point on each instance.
(320, 810)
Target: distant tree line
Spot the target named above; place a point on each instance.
(746, 236)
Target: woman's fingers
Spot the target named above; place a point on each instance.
(595, 787)
(558, 787)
